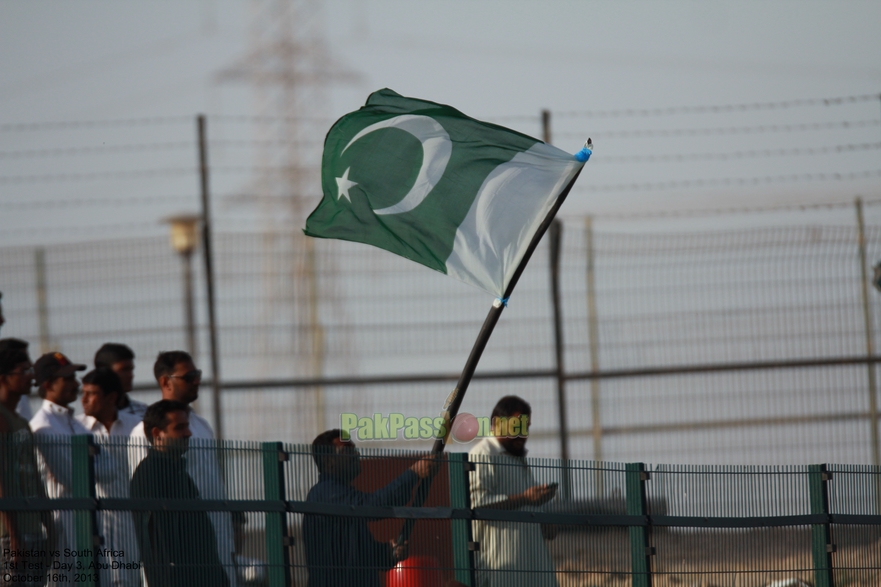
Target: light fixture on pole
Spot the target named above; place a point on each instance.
(184, 240)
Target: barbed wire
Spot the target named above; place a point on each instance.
(755, 129)
(646, 186)
(763, 128)
(691, 183)
(145, 147)
(90, 228)
(142, 173)
(725, 211)
(802, 207)
(75, 124)
(115, 201)
(507, 118)
(245, 118)
(722, 108)
(625, 112)
(738, 154)
(265, 143)
(90, 176)
(96, 150)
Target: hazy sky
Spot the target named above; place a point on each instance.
(63, 61)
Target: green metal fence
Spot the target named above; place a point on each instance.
(251, 520)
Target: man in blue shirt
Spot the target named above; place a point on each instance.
(341, 550)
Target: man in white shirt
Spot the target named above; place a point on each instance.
(179, 380)
(101, 391)
(112, 428)
(121, 360)
(56, 379)
(511, 554)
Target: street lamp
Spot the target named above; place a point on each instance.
(184, 240)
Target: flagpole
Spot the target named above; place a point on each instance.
(454, 400)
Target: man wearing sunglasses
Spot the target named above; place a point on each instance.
(179, 380)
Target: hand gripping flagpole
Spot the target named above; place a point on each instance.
(454, 400)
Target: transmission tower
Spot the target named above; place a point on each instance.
(289, 69)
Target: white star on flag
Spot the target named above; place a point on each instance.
(344, 185)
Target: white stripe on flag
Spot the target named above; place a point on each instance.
(510, 205)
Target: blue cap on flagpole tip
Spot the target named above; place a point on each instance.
(584, 154)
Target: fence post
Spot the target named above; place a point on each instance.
(555, 236)
(278, 541)
(867, 325)
(460, 498)
(641, 550)
(594, 342)
(83, 451)
(208, 258)
(42, 304)
(821, 535)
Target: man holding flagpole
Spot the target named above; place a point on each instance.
(464, 197)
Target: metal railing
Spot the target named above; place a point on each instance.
(621, 523)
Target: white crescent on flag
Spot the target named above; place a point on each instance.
(436, 150)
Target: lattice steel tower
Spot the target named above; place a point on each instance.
(289, 68)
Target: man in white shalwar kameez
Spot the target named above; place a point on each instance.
(511, 554)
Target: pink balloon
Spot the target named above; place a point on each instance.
(465, 428)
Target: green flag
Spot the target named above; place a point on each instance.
(428, 183)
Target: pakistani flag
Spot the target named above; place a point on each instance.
(428, 183)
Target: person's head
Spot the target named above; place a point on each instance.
(508, 423)
(13, 343)
(336, 457)
(119, 358)
(101, 390)
(16, 375)
(56, 378)
(167, 426)
(177, 376)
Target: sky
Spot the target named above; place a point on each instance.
(139, 72)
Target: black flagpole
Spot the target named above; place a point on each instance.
(451, 407)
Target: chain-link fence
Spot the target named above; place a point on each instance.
(723, 346)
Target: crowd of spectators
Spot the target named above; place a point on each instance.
(146, 461)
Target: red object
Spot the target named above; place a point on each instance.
(415, 571)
